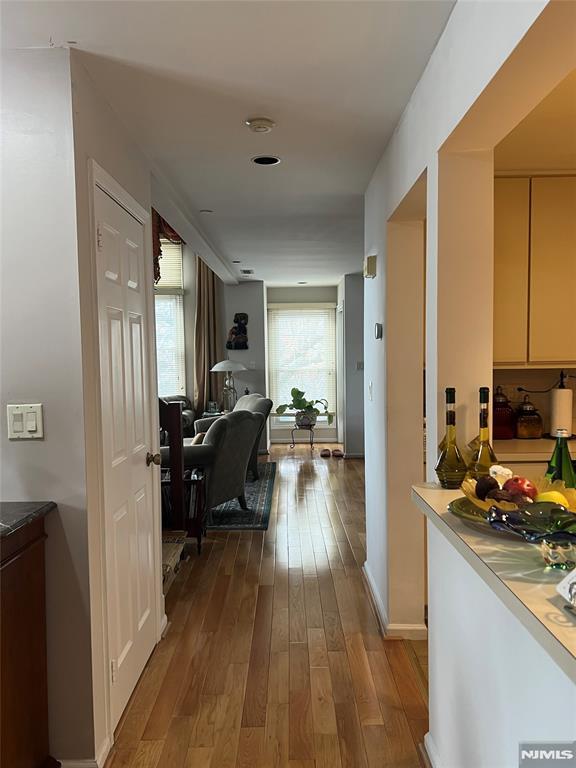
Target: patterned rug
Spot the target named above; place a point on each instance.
(230, 515)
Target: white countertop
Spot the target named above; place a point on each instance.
(515, 572)
(526, 450)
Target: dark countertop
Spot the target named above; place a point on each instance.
(16, 514)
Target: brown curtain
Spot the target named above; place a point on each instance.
(161, 228)
(209, 346)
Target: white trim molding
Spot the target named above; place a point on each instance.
(431, 751)
(381, 614)
(405, 631)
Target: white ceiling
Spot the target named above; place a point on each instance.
(546, 139)
(183, 76)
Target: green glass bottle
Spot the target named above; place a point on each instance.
(560, 466)
(450, 467)
(483, 456)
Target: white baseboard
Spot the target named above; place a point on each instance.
(163, 626)
(377, 602)
(408, 631)
(431, 751)
(98, 762)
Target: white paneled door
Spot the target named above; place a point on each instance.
(126, 433)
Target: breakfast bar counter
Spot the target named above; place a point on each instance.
(502, 645)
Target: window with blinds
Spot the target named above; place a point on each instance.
(169, 306)
(302, 352)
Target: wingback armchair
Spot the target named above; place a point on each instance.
(223, 455)
(253, 403)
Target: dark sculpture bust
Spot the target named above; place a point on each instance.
(238, 334)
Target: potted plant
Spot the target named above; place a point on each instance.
(306, 410)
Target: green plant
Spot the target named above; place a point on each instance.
(299, 403)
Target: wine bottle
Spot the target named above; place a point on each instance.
(483, 456)
(450, 467)
(560, 466)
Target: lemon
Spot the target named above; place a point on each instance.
(554, 496)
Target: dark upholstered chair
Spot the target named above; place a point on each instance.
(224, 455)
(188, 414)
(253, 403)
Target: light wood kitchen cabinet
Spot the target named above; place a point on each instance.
(511, 269)
(534, 271)
(552, 335)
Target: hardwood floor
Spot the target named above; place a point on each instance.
(273, 657)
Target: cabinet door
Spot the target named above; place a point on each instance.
(511, 266)
(553, 270)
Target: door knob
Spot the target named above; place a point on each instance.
(153, 458)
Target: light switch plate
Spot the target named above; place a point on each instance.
(25, 421)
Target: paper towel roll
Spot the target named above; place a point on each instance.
(561, 410)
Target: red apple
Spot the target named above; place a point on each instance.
(520, 486)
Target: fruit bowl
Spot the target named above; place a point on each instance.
(546, 491)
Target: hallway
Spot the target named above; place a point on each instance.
(273, 655)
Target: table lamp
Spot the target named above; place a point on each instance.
(229, 394)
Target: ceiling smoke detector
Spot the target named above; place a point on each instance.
(260, 124)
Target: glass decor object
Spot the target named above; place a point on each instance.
(450, 467)
(550, 525)
(560, 466)
(528, 421)
(504, 426)
(559, 554)
(483, 456)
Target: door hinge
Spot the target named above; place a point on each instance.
(114, 671)
(99, 239)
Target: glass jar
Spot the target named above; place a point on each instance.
(504, 427)
(528, 421)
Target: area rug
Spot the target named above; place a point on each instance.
(230, 516)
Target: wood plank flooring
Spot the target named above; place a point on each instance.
(273, 658)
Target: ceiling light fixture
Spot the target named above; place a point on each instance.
(302, 282)
(266, 160)
(206, 210)
(260, 124)
(236, 261)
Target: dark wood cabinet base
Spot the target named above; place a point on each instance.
(23, 667)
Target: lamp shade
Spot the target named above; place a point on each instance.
(228, 365)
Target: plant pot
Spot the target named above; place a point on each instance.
(305, 419)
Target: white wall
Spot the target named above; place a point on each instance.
(249, 297)
(488, 674)
(299, 294)
(42, 362)
(98, 135)
(478, 39)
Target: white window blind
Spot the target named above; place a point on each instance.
(169, 306)
(302, 353)
(171, 279)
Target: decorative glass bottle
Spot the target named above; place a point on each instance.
(560, 466)
(483, 456)
(450, 467)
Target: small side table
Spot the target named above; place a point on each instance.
(307, 428)
(207, 414)
(196, 523)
